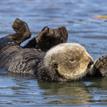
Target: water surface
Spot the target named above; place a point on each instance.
(79, 18)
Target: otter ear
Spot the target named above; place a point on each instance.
(45, 29)
(42, 34)
(63, 32)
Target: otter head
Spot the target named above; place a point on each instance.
(48, 38)
(71, 61)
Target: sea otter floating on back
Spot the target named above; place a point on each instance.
(64, 62)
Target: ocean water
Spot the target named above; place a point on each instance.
(80, 18)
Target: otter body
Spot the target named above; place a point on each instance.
(48, 57)
(64, 62)
(18, 60)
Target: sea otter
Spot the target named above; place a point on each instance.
(25, 60)
(68, 61)
(65, 62)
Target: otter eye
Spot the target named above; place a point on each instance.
(55, 65)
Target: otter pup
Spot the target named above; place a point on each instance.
(65, 62)
(48, 38)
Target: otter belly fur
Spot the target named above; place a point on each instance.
(71, 60)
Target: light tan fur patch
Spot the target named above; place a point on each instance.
(71, 59)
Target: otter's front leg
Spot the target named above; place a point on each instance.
(22, 31)
(99, 68)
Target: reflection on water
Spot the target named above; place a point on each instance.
(79, 16)
(26, 91)
(66, 93)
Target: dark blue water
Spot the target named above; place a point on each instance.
(79, 16)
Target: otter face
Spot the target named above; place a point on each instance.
(48, 38)
(71, 60)
(100, 67)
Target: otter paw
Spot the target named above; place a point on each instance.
(22, 31)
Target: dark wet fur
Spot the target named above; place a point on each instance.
(19, 60)
(48, 38)
(29, 61)
(22, 31)
(100, 66)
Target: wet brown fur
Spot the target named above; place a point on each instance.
(20, 60)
